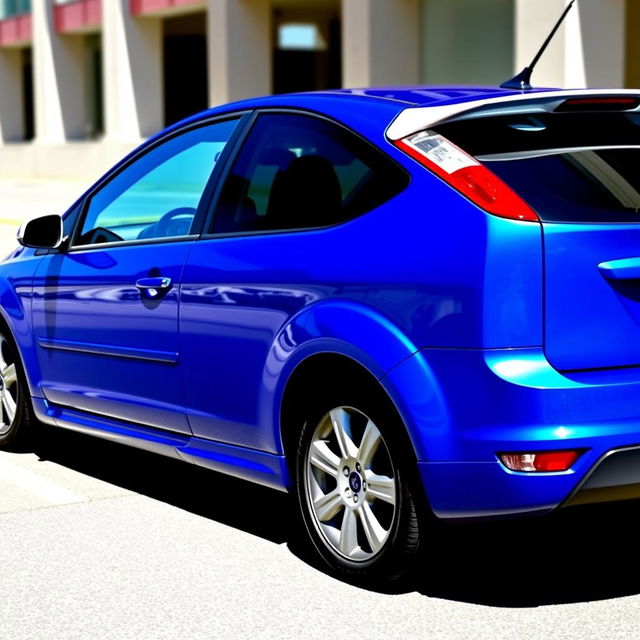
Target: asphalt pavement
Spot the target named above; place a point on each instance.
(102, 541)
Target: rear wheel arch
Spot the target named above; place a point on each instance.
(306, 382)
(318, 385)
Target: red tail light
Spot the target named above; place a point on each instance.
(540, 460)
(465, 174)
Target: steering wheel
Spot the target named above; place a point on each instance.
(168, 226)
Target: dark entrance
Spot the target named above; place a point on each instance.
(185, 67)
(27, 95)
(307, 54)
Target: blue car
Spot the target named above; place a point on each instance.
(393, 303)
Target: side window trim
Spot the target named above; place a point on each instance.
(221, 171)
(213, 205)
(134, 156)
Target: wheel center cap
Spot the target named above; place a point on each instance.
(355, 482)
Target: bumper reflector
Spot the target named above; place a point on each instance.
(540, 460)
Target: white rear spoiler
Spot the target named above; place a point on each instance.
(418, 118)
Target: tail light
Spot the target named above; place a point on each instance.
(465, 174)
(540, 460)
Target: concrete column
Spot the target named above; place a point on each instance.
(534, 19)
(380, 43)
(239, 49)
(587, 51)
(133, 79)
(481, 51)
(595, 44)
(58, 77)
(11, 96)
(632, 71)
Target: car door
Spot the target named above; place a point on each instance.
(105, 310)
(266, 255)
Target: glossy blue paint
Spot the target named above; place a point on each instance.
(256, 466)
(91, 348)
(471, 324)
(155, 440)
(101, 347)
(585, 306)
(625, 269)
(519, 403)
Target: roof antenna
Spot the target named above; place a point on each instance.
(521, 81)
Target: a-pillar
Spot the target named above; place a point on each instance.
(132, 49)
(587, 51)
(380, 44)
(239, 49)
(58, 78)
(11, 96)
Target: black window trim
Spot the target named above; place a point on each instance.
(210, 218)
(243, 117)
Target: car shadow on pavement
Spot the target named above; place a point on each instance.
(576, 555)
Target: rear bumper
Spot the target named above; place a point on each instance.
(479, 403)
(616, 476)
(487, 489)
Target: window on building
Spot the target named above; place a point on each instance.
(158, 195)
(10, 8)
(308, 51)
(28, 115)
(94, 95)
(301, 37)
(185, 66)
(297, 172)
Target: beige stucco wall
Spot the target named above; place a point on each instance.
(380, 43)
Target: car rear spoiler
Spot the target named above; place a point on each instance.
(416, 119)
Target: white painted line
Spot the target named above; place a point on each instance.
(37, 485)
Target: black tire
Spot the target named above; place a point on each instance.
(17, 420)
(364, 564)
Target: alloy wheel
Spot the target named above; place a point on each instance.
(351, 489)
(8, 387)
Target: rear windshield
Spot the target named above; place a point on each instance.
(570, 167)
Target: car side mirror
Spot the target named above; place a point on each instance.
(44, 232)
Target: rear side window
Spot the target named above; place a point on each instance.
(296, 171)
(570, 167)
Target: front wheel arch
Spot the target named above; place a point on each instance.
(25, 420)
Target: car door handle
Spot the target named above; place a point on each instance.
(624, 269)
(153, 287)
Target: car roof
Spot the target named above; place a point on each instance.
(404, 96)
(403, 109)
(387, 101)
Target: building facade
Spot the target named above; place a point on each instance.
(82, 81)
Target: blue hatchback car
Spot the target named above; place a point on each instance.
(389, 302)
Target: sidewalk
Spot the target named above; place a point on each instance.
(24, 199)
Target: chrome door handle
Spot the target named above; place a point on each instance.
(153, 287)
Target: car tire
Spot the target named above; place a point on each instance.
(16, 416)
(354, 490)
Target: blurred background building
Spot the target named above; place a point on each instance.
(82, 81)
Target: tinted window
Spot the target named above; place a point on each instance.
(157, 196)
(570, 167)
(296, 171)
